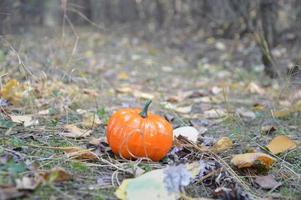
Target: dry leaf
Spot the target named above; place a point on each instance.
(222, 144)
(268, 129)
(95, 141)
(242, 112)
(179, 109)
(43, 112)
(214, 113)
(160, 184)
(56, 174)
(26, 120)
(258, 107)
(90, 120)
(135, 93)
(254, 88)
(187, 131)
(80, 154)
(73, 131)
(91, 92)
(10, 192)
(281, 144)
(28, 183)
(250, 159)
(122, 76)
(77, 153)
(12, 91)
(143, 95)
(281, 113)
(267, 182)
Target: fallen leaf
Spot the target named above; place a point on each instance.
(242, 112)
(26, 120)
(44, 112)
(135, 93)
(10, 192)
(143, 95)
(28, 183)
(91, 92)
(76, 153)
(95, 141)
(179, 109)
(73, 131)
(254, 88)
(12, 91)
(122, 76)
(222, 144)
(268, 129)
(280, 144)
(189, 132)
(267, 182)
(56, 174)
(214, 113)
(80, 154)
(90, 120)
(160, 184)
(281, 113)
(216, 90)
(250, 159)
(258, 107)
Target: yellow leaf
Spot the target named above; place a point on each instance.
(12, 91)
(222, 144)
(249, 160)
(73, 131)
(123, 76)
(121, 192)
(281, 144)
(281, 113)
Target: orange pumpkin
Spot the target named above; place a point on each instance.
(134, 133)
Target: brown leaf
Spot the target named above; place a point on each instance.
(280, 144)
(222, 144)
(56, 174)
(73, 131)
(267, 182)
(249, 160)
(95, 141)
(80, 154)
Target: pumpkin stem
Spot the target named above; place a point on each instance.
(143, 113)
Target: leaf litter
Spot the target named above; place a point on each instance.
(226, 113)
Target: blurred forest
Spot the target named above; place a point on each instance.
(272, 22)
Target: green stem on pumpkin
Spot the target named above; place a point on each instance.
(143, 113)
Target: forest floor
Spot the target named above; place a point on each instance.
(53, 84)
